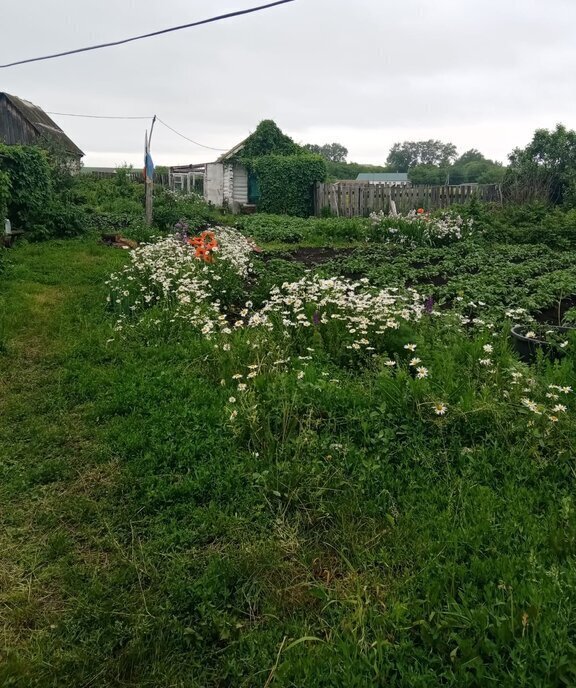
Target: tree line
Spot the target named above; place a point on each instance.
(426, 162)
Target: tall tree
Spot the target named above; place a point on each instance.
(473, 168)
(408, 154)
(548, 162)
(332, 152)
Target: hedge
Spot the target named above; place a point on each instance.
(287, 182)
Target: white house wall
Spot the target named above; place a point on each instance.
(214, 184)
(240, 185)
(226, 184)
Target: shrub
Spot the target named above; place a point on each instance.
(59, 220)
(113, 195)
(31, 190)
(170, 207)
(4, 196)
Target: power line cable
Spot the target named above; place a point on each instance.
(220, 17)
(196, 143)
(72, 114)
(189, 139)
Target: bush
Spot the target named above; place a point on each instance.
(30, 184)
(170, 207)
(4, 196)
(59, 220)
(117, 195)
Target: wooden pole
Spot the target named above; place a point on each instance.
(148, 181)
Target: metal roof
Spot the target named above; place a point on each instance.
(44, 126)
(232, 152)
(382, 177)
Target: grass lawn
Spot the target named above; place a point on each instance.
(338, 534)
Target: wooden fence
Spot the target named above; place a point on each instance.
(351, 199)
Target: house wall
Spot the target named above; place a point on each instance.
(226, 184)
(390, 183)
(214, 184)
(240, 185)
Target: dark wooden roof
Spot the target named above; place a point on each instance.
(23, 123)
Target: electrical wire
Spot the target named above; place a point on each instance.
(220, 17)
(72, 114)
(196, 143)
(188, 139)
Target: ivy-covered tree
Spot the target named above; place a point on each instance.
(269, 139)
(285, 172)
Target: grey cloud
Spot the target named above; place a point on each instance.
(492, 69)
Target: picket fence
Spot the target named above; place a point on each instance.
(352, 199)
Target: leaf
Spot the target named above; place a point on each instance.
(304, 639)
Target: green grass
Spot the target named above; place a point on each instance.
(339, 535)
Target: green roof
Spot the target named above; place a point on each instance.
(382, 177)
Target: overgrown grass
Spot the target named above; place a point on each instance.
(338, 533)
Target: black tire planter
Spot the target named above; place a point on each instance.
(527, 347)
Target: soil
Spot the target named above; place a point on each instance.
(311, 256)
(550, 315)
(118, 241)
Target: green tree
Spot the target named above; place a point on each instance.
(429, 175)
(547, 164)
(408, 154)
(331, 152)
(472, 155)
(351, 170)
(473, 168)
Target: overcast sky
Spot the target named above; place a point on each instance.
(368, 73)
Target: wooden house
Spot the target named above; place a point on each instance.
(228, 184)
(23, 123)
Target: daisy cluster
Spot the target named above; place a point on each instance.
(234, 249)
(356, 311)
(169, 275)
(549, 402)
(420, 228)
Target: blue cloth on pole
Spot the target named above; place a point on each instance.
(149, 165)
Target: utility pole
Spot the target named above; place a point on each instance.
(149, 173)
